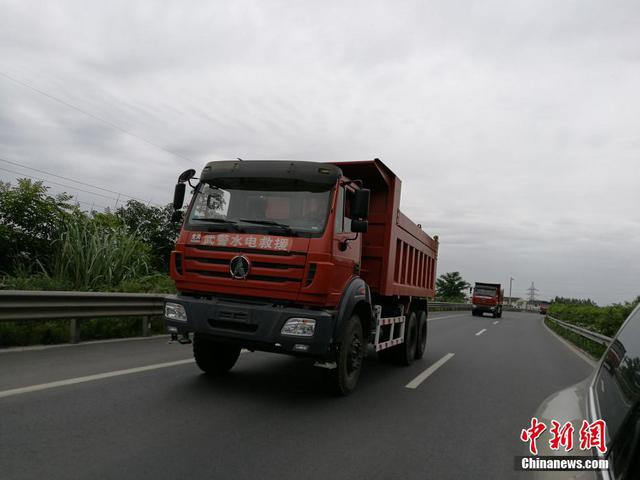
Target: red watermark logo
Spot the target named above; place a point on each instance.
(592, 435)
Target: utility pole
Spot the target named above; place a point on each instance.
(532, 293)
(511, 279)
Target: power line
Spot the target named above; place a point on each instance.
(120, 194)
(74, 199)
(58, 184)
(89, 114)
(91, 209)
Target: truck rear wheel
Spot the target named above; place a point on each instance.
(344, 378)
(214, 358)
(421, 343)
(405, 353)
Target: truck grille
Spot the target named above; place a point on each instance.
(282, 269)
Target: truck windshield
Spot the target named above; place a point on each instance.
(282, 210)
(485, 291)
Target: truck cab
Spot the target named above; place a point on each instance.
(292, 221)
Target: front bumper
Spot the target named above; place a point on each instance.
(484, 308)
(255, 326)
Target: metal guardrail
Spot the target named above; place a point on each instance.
(24, 305)
(436, 306)
(21, 305)
(448, 306)
(583, 332)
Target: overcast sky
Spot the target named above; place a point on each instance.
(514, 125)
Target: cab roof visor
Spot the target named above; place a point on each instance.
(301, 173)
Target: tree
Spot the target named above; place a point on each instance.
(30, 219)
(573, 301)
(450, 287)
(154, 225)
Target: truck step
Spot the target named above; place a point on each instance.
(395, 336)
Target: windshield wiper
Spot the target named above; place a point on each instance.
(269, 223)
(221, 221)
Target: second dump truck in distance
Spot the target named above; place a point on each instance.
(487, 298)
(301, 258)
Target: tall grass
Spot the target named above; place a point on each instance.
(87, 256)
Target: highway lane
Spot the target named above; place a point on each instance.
(38, 365)
(271, 417)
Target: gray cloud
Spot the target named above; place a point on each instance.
(512, 124)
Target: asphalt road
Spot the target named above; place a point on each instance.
(271, 418)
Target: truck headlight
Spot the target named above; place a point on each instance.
(175, 311)
(301, 327)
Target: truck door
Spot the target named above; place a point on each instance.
(346, 247)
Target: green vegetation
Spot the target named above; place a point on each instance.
(450, 287)
(53, 332)
(604, 320)
(585, 313)
(89, 256)
(48, 243)
(592, 348)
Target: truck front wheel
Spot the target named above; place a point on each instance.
(344, 378)
(214, 358)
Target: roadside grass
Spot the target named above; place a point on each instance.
(53, 332)
(590, 347)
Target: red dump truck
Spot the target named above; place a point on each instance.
(302, 258)
(487, 297)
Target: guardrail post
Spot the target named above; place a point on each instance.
(74, 330)
(145, 326)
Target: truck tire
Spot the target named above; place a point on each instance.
(214, 358)
(406, 351)
(343, 379)
(421, 341)
(499, 312)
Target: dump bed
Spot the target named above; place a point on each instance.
(398, 258)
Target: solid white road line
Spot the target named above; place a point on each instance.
(415, 383)
(481, 332)
(496, 322)
(91, 378)
(446, 316)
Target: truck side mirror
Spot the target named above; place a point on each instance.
(176, 216)
(186, 175)
(178, 196)
(360, 205)
(359, 226)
